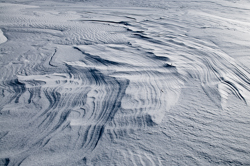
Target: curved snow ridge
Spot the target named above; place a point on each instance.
(153, 86)
(194, 58)
(3, 39)
(79, 103)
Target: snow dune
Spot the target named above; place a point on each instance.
(149, 83)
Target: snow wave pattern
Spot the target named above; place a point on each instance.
(123, 86)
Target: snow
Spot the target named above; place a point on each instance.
(2, 37)
(124, 82)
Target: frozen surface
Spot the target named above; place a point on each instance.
(2, 37)
(132, 82)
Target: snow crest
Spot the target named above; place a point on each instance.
(3, 39)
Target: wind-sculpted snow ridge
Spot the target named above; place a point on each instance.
(152, 83)
(2, 37)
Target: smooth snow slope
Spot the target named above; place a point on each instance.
(124, 83)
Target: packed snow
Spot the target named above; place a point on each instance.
(113, 82)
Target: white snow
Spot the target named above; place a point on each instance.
(111, 82)
(3, 39)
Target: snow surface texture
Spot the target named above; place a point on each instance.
(149, 83)
(2, 37)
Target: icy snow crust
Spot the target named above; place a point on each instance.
(124, 83)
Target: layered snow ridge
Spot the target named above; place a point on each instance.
(124, 83)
